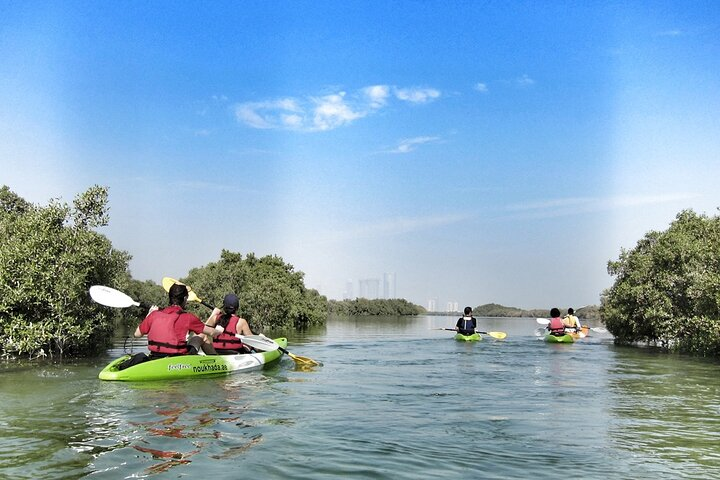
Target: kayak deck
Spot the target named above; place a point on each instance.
(475, 337)
(189, 366)
(567, 338)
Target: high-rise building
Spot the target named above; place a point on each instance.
(349, 293)
(432, 305)
(369, 288)
(389, 285)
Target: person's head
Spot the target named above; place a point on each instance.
(178, 295)
(554, 312)
(571, 311)
(231, 303)
(468, 311)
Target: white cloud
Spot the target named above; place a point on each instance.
(329, 111)
(417, 95)
(410, 144)
(481, 87)
(377, 94)
(266, 114)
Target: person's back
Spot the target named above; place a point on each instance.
(167, 329)
(572, 321)
(556, 325)
(466, 324)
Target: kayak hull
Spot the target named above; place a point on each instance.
(189, 366)
(567, 338)
(475, 337)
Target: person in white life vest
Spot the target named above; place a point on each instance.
(466, 324)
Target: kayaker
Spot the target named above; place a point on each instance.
(571, 321)
(167, 329)
(466, 324)
(556, 325)
(227, 343)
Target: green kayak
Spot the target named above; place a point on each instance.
(567, 338)
(468, 338)
(190, 366)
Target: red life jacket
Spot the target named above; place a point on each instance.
(556, 326)
(227, 340)
(162, 337)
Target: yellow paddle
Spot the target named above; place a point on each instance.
(168, 282)
(498, 335)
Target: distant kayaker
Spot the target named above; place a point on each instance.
(227, 343)
(556, 325)
(466, 324)
(167, 329)
(571, 321)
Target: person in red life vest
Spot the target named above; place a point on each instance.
(466, 324)
(556, 325)
(226, 343)
(167, 329)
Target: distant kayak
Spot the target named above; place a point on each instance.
(475, 337)
(567, 338)
(189, 366)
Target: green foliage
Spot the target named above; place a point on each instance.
(272, 294)
(385, 307)
(667, 289)
(48, 260)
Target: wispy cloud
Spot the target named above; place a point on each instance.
(408, 145)
(481, 87)
(670, 33)
(392, 227)
(572, 206)
(327, 112)
(417, 95)
(524, 82)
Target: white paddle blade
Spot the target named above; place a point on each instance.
(542, 321)
(259, 342)
(110, 297)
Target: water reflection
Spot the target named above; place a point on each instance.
(394, 399)
(665, 407)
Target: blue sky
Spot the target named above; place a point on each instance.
(481, 151)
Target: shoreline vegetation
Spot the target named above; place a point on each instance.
(666, 291)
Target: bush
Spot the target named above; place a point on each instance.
(272, 294)
(667, 290)
(49, 257)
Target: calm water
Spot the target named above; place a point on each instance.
(392, 400)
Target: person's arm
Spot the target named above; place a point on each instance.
(138, 333)
(243, 327)
(212, 319)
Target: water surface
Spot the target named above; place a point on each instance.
(393, 399)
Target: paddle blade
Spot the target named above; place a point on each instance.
(168, 282)
(111, 298)
(258, 342)
(542, 321)
(303, 361)
(498, 335)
